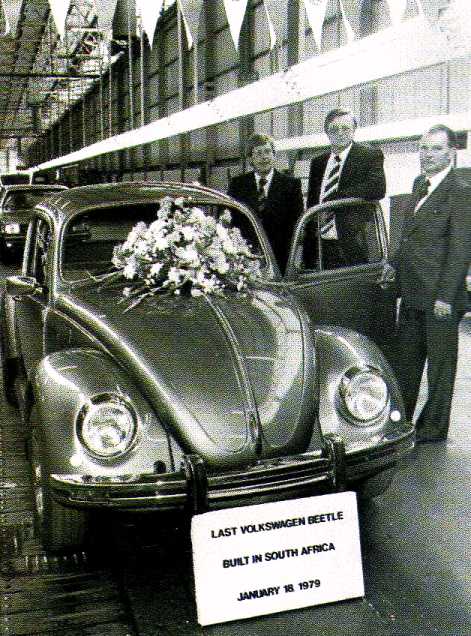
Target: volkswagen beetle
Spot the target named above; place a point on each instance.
(204, 402)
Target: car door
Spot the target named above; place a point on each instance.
(30, 309)
(337, 258)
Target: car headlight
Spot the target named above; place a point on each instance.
(12, 228)
(365, 395)
(107, 426)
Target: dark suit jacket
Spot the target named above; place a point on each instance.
(362, 175)
(435, 247)
(283, 208)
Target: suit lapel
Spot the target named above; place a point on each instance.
(345, 175)
(438, 196)
(274, 185)
(252, 189)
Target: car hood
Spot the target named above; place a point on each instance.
(232, 377)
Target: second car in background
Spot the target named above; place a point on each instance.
(16, 205)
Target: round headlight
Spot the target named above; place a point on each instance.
(107, 428)
(365, 394)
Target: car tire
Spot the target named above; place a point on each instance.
(59, 528)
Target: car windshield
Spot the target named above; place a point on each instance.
(91, 237)
(25, 199)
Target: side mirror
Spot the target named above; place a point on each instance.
(22, 285)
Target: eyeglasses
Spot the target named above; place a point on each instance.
(340, 128)
(262, 152)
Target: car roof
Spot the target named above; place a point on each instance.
(33, 186)
(70, 202)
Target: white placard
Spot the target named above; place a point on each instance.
(275, 557)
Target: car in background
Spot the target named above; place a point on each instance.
(15, 178)
(194, 403)
(16, 206)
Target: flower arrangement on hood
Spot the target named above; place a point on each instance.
(185, 250)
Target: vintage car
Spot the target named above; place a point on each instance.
(16, 205)
(198, 403)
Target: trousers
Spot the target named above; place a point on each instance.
(420, 337)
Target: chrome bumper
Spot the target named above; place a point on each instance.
(199, 490)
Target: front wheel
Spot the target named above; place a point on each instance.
(60, 528)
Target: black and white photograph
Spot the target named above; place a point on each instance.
(235, 317)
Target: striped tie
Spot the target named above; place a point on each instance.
(332, 183)
(328, 227)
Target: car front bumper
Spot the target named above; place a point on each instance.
(199, 490)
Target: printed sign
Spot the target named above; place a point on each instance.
(274, 557)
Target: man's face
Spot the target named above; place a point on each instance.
(341, 131)
(262, 159)
(435, 152)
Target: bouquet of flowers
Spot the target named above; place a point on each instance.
(184, 250)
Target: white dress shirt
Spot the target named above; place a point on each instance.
(435, 181)
(268, 178)
(330, 164)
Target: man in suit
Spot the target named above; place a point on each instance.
(431, 265)
(347, 170)
(274, 197)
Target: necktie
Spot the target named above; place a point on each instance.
(420, 190)
(332, 182)
(262, 199)
(328, 227)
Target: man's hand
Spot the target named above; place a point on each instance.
(388, 276)
(442, 310)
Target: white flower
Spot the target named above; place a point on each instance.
(175, 275)
(130, 269)
(188, 255)
(222, 232)
(156, 227)
(229, 247)
(226, 217)
(188, 233)
(221, 265)
(174, 237)
(141, 248)
(161, 243)
(155, 268)
(197, 216)
(193, 249)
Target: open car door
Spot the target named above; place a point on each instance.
(337, 257)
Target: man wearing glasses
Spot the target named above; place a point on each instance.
(348, 169)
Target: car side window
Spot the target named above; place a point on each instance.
(344, 236)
